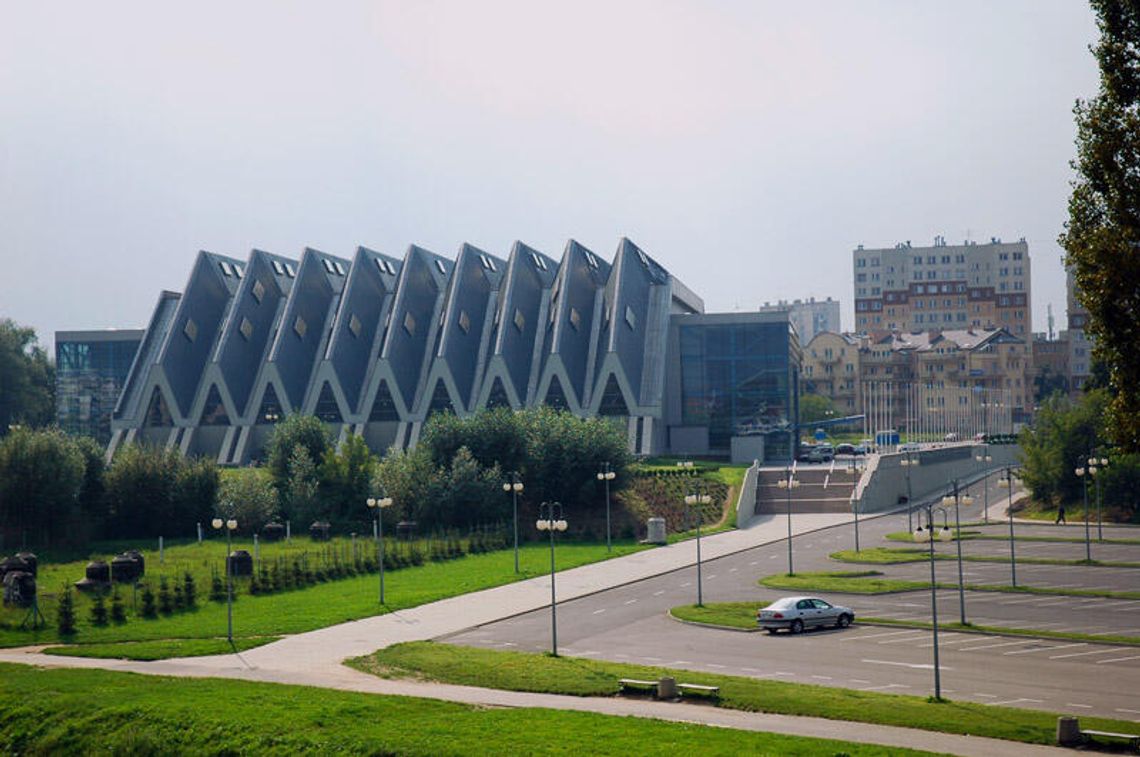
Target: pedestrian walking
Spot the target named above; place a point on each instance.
(1060, 515)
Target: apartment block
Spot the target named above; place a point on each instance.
(809, 317)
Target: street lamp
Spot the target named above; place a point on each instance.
(1006, 482)
(379, 503)
(967, 500)
(231, 526)
(908, 463)
(550, 519)
(1084, 473)
(787, 484)
(1099, 522)
(698, 496)
(513, 487)
(607, 475)
(928, 536)
(985, 458)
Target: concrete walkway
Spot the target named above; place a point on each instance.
(313, 659)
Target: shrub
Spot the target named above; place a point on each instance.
(65, 613)
(118, 611)
(99, 610)
(149, 610)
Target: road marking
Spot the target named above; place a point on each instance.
(679, 662)
(772, 557)
(782, 673)
(875, 635)
(587, 653)
(1014, 701)
(733, 570)
(859, 680)
(823, 678)
(599, 612)
(750, 670)
(629, 602)
(1130, 712)
(687, 583)
(915, 665)
(652, 659)
(753, 563)
(712, 576)
(906, 639)
(658, 593)
(992, 646)
(1082, 706)
(985, 696)
(714, 665)
(888, 686)
(1045, 649)
(1118, 659)
(1082, 654)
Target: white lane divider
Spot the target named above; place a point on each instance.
(1015, 701)
(1118, 659)
(915, 665)
(875, 635)
(992, 646)
(630, 602)
(906, 639)
(658, 593)
(1046, 649)
(1082, 706)
(1083, 654)
(599, 612)
(887, 686)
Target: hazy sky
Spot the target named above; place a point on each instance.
(748, 146)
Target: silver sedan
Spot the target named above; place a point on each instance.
(798, 613)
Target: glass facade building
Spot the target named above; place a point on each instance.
(91, 368)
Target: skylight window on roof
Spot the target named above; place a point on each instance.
(575, 318)
(630, 318)
(226, 269)
(289, 271)
(339, 268)
(519, 320)
(278, 268)
(328, 265)
(246, 328)
(410, 324)
(591, 260)
(258, 290)
(238, 271)
(354, 325)
(539, 263)
(464, 321)
(441, 267)
(391, 268)
(190, 330)
(300, 327)
(487, 262)
(380, 265)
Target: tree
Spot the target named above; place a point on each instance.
(346, 481)
(27, 379)
(1062, 435)
(306, 430)
(301, 501)
(151, 491)
(1047, 383)
(41, 475)
(1102, 236)
(815, 407)
(247, 495)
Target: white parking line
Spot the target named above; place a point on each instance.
(992, 646)
(859, 680)
(1082, 706)
(752, 563)
(823, 678)
(599, 612)
(916, 665)
(1118, 659)
(887, 686)
(687, 583)
(875, 635)
(1084, 654)
(658, 593)
(1015, 701)
(1130, 712)
(906, 639)
(1045, 649)
(629, 602)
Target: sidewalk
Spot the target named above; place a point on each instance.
(313, 659)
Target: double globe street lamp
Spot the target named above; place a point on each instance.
(697, 497)
(908, 463)
(1006, 482)
(230, 525)
(787, 484)
(985, 458)
(550, 518)
(378, 504)
(928, 536)
(606, 474)
(513, 487)
(955, 499)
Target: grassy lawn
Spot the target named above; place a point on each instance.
(517, 671)
(743, 615)
(845, 582)
(725, 614)
(298, 610)
(892, 555)
(161, 649)
(100, 712)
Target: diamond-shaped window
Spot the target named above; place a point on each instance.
(464, 321)
(354, 325)
(410, 324)
(190, 330)
(575, 319)
(246, 328)
(258, 290)
(630, 318)
(300, 327)
(520, 320)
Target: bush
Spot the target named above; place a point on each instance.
(189, 590)
(99, 610)
(41, 477)
(149, 610)
(153, 492)
(118, 611)
(65, 613)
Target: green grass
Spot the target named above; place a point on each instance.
(299, 610)
(892, 555)
(1058, 539)
(845, 582)
(723, 614)
(882, 555)
(1006, 631)
(909, 537)
(517, 671)
(77, 712)
(161, 649)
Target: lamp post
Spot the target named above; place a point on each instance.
(787, 484)
(985, 459)
(379, 503)
(697, 497)
(1099, 522)
(550, 519)
(513, 487)
(908, 463)
(607, 475)
(967, 500)
(230, 525)
(855, 509)
(1006, 482)
(929, 537)
(1084, 473)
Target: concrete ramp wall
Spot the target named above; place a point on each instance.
(884, 484)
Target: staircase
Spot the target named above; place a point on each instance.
(822, 489)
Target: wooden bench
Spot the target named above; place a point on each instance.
(1133, 739)
(696, 688)
(634, 683)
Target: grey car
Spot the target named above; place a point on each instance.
(797, 613)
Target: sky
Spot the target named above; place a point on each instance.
(748, 146)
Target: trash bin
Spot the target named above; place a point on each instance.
(319, 531)
(667, 688)
(126, 569)
(273, 532)
(98, 577)
(240, 563)
(1068, 731)
(656, 527)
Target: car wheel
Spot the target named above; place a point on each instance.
(797, 626)
(771, 630)
(844, 621)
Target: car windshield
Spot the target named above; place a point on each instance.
(781, 604)
(820, 604)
